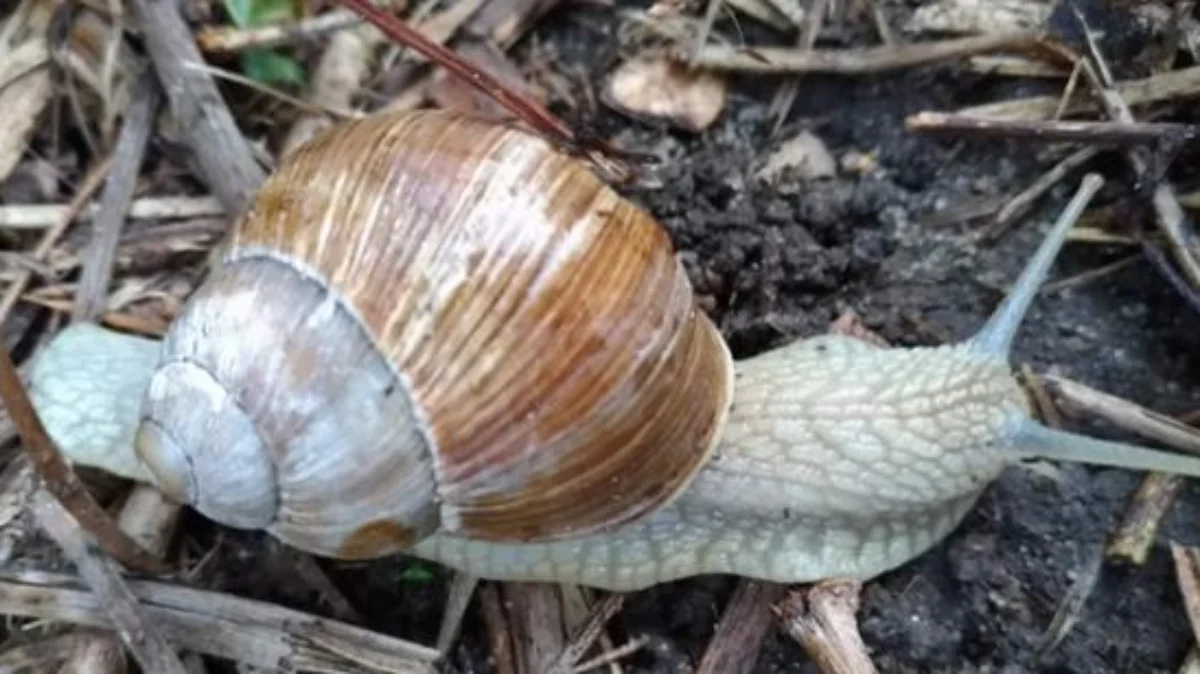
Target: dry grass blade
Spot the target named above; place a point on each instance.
(1102, 133)
(1070, 609)
(1134, 536)
(225, 39)
(462, 588)
(1174, 85)
(114, 201)
(225, 158)
(43, 655)
(149, 518)
(1181, 238)
(1077, 399)
(527, 109)
(500, 645)
(41, 216)
(745, 625)
(26, 89)
(1187, 572)
(859, 61)
(809, 32)
(91, 183)
(1022, 202)
(219, 625)
(586, 635)
(139, 634)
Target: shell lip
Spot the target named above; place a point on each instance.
(165, 461)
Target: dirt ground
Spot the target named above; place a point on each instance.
(781, 261)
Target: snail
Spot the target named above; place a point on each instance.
(441, 336)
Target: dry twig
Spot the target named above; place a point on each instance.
(223, 626)
(227, 39)
(114, 201)
(1134, 536)
(822, 619)
(1100, 133)
(41, 216)
(141, 635)
(1176, 84)
(745, 625)
(1022, 202)
(1187, 571)
(225, 157)
(851, 62)
(1170, 218)
(586, 634)
(1077, 399)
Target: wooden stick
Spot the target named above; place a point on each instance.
(462, 588)
(219, 625)
(139, 634)
(814, 21)
(149, 518)
(1077, 398)
(744, 626)
(226, 162)
(500, 644)
(822, 619)
(586, 634)
(1104, 133)
(224, 39)
(1022, 202)
(1170, 219)
(91, 182)
(853, 62)
(114, 201)
(42, 216)
(1134, 536)
(1155, 89)
(1187, 572)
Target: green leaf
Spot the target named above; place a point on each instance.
(271, 11)
(417, 573)
(269, 67)
(251, 13)
(239, 11)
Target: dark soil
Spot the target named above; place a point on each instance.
(781, 261)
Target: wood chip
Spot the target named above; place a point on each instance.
(804, 156)
(655, 88)
(979, 16)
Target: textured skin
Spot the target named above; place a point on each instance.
(540, 324)
(87, 403)
(840, 459)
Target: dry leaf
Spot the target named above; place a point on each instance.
(979, 16)
(27, 89)
(662, 89)
(805, 155)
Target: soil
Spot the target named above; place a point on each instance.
(780, 261)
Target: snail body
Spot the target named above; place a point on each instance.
(438, 336)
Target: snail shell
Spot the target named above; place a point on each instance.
(428, 323)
